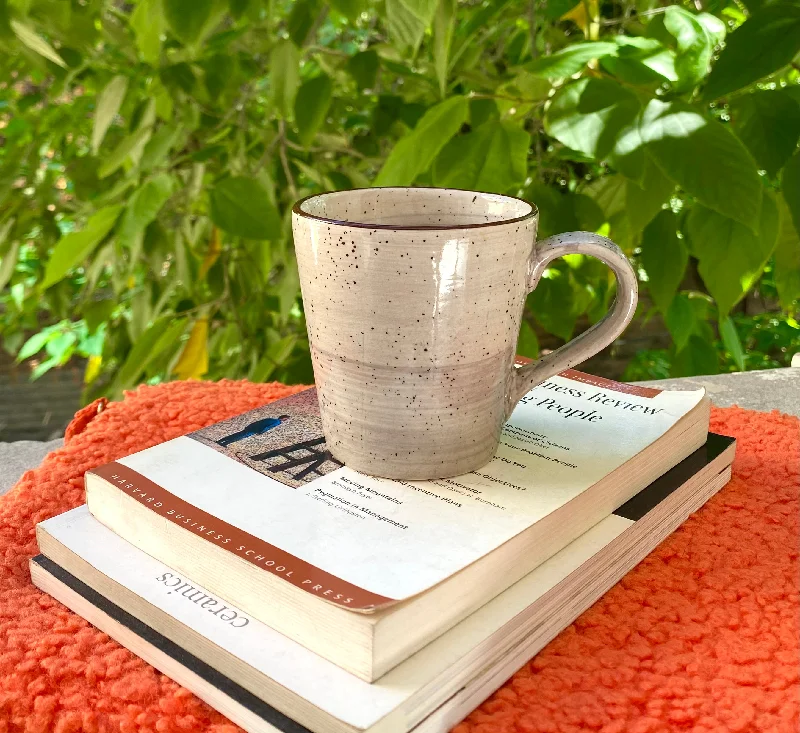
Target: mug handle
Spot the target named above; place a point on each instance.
(612, 324)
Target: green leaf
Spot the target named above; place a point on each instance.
(144, 121)
(752, 6)
(97, 312)
(415, 152)
(528, 343)
(730, 256)
(311, 105)
(92, 345)
(609, 192)
(493, 157)
(61, 346)
(5, 28)
(480, 18)
(765, 43)
(713, 26)
(563, 212)
(178, 75)
(768, 123)
(694, 46)
(159, 146)
(34, 42)
(787, 258)
(793, 91)
(570, 60)
(143, 207)
(350, 9)
(274, 357)
(237, 7)
(124, 150)
(641, 61)
(482, 110)
(8, 264)
(681, 320)
(705, 158)
(108, 103)
(551, 209)
(525, 90)
(162, 334)
(588, 215)
(731, 342)
(147, 21)
(33, 345)
(187, 18)
(443, 25)
(5, 230)
(790, 180)
(301, 20)
(75, 247)
(242, 206)
(284, 75)
(363, 67)
(220, 73)
(643, 201)
(288, 288)
(628, 154)
(408, 20)
(552, 304)
(43, 367)
(664, 258)
(699, 357)
(590, 114)
(554, 9)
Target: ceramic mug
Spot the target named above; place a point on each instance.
(413, 299)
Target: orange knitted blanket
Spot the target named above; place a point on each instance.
(701, 636)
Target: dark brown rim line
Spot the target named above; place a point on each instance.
(363, 225)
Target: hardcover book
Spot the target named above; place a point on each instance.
(366, 571)
(264, 681)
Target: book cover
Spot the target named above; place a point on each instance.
(263, 487)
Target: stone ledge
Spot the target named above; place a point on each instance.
(764, 390)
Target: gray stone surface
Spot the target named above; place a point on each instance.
(765, 390)
(21, 456)
(772, 389)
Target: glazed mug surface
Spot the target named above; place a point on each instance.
(413, 299)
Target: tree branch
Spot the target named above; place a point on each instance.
(285, 161)
(532, 27)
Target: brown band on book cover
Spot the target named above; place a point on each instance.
(597, 381)
(604, 383)
(263, 555)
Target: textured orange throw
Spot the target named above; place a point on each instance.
(702, 636)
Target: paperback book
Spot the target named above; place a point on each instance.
(265, 681)
(366, 571)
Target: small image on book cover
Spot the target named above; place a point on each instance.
(283, 440)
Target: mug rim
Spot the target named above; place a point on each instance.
(298, 211)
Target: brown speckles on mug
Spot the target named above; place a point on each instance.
(413, 356)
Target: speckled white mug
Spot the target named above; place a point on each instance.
(413, 299)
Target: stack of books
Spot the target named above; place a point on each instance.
(294, 594)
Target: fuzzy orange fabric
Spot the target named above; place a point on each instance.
(702, 636)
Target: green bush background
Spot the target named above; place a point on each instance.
(151, 151)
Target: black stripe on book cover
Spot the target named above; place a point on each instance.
(651, 496)
(200, 668)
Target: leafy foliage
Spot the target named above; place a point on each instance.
(151, 152)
